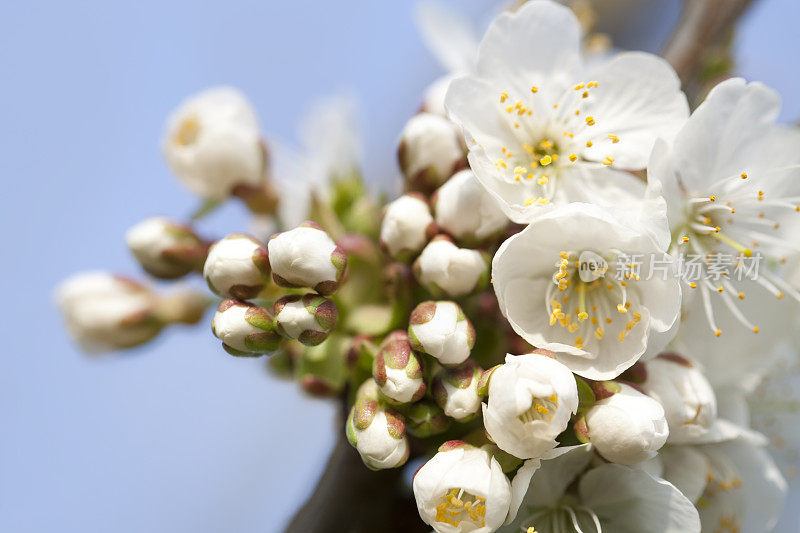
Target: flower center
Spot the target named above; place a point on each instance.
(458, 506)
(583, 299)
(722, 477)
(546, 138)
(540, 409)
(187, 132)
(720, 234)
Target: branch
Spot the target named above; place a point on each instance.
(353, 499)
(703, 24)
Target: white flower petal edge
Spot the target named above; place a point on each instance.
(628, 500)
(538, 124)
(597, 328)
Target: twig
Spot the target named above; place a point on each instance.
(349, 498)
(703, 24)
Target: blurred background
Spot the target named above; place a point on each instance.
(179, 436)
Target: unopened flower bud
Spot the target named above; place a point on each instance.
(165, 249)
(237, 267)
(397, 370)
(433, 96)
(531, 400)
(407, 225)
(683, 391)
(244, 329)
(309, 318)
(465, 211)
(375, 431)
(456, 390)
(430, 151)
(104, 312)
(627, 427)
(462, 489)
(441, 330)
(444, 268)
(307, 257)
(425, 418)
(213, 144)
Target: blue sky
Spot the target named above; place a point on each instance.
(180, 436)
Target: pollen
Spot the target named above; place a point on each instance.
(546, 160)
(588, 144)
(573, 157)
(621, 308)
(503, 97)
(608, 161)
(744, 175)
(579, 86)
(614, 138)
(590, 121)
(534, 89)
(718, 332)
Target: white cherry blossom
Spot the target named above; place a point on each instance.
(577, 282)
(213, 144)
(462, 489)
(731, 181)
(531, 400)
(609, 498)
(543, 129)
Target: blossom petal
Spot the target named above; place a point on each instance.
(638, 99)
(733, 131)
(538, 43)
(448, 35)
(628, 500)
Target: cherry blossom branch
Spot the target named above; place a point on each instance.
(703, 24)
(350, 497)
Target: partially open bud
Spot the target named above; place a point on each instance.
(462, 489)
(245, 329)
(531, 400)
(627, 427)
(456, 390)
(407, 225)
(425, 418)
(307, 257)
(309, 318)
(165, 249)
(213, 144)
(465, 211)
(104, 312)
(237, 267)
(376, 431)
(444, 268)
(441, 330)
(430, 151)
(683, 391)
(397, 370)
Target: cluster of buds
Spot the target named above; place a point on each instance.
(238, 267)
